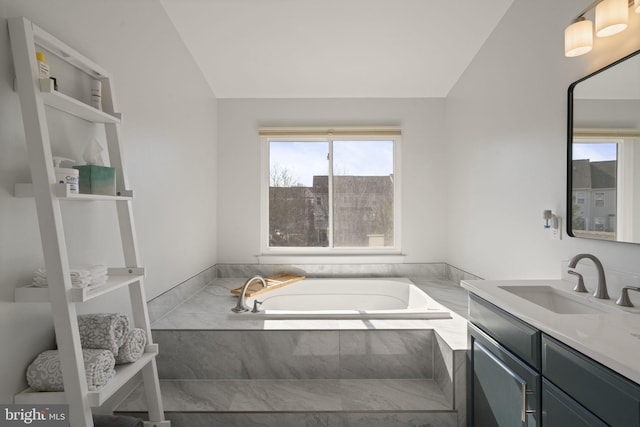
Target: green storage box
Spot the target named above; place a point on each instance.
(97, 180)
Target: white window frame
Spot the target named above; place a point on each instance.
(308, 254)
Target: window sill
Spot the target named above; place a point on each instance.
(390, 258)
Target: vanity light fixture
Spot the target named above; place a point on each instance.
(611, 17)
(578, 38)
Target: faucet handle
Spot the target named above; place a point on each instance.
(624, 300)
(256, 303)
(580, 286)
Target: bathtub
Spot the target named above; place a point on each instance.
(372, 298)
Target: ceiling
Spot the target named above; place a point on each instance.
(333, 48)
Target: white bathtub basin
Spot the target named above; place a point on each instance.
(372, 298)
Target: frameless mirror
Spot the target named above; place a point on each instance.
(603, 179)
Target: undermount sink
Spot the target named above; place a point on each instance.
(556, 300)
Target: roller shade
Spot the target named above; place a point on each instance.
(381, 131)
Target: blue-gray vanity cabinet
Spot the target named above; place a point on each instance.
(560, 410)
(610, 396)
(572, 389)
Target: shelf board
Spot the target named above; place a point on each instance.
(96, 398)
(70, 105)
(118, 277)
(61, 191)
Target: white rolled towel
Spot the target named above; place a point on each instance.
(133, 347)
(45, 373)
(105, 331)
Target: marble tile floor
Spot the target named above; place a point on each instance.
(333, 395)
(311, 419)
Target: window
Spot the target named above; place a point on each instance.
(599, 200)
(329, 193)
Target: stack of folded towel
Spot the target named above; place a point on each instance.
(106, 341)
(81, 276)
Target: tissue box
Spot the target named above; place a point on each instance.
(97, 180)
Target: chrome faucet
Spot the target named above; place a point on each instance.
(601, 290)
(241, 306)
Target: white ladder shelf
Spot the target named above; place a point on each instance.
(34, 96)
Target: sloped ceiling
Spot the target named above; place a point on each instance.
(333, 48)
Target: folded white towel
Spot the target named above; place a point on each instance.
(99, 281)
(79, 271)
(93, 270)
(75, 282)
(81, 276)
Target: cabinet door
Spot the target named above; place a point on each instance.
(503, 389)
(560, 410)
(612, 397)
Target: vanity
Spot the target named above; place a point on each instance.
(542, 355)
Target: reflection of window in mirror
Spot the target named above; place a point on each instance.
(596, 169)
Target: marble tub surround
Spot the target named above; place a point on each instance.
(298, 354)
(217, 370)
(209, 308)
(435, 272)
(611, 338)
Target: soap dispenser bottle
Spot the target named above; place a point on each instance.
(68, 176)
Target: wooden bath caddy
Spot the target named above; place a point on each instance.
(273, 282)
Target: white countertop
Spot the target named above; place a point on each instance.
(613, 339)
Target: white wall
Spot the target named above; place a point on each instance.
(169, 134)
(423, 166)
(507, 145)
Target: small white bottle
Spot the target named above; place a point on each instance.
(43, 67)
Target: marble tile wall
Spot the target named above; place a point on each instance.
(456, 275)
(162, 304)
(295, 354)
(427, 270)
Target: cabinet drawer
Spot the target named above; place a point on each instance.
(520, 338)
(610, 396)
(503, 390)
(560, 410)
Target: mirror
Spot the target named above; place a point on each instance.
(603, 179)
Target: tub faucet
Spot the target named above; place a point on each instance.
(241, 306)
(601, 290)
